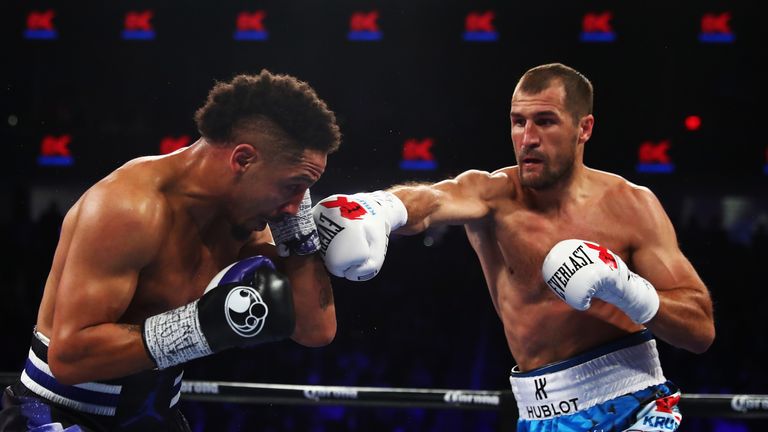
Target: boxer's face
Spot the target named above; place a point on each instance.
(276, 187)
(544, 137)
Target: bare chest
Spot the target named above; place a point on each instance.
(525, 237)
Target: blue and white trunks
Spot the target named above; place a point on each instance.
(616, 387)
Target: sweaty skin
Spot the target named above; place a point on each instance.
(515, 215)
(150, 236)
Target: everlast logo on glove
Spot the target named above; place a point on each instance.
(327, 229)
(349, 209)
(576, 260)
(604, 255)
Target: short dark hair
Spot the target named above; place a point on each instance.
(579, 93)
(234, 108)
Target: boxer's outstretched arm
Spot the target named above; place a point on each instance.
(449, 202)
(684, 318)
(112, 239)
(354, 229)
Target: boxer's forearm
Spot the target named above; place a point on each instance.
(312, 299)
(100, 352)
(422, 202)
(684, 319)
(450, 202)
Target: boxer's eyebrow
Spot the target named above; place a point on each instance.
(303, 178)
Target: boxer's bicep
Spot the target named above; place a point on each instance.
(658, 258)
(685, 315)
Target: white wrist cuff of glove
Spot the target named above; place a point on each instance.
(644, 302)
(297, 234)
(397, 214)
(175, 337)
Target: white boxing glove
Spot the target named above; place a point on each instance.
(354, 231)
(577, 270)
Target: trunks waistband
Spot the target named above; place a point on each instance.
(564, 388)
(157, 391)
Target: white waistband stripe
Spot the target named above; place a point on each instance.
(587, 384)
(80, 406)
(175, 399)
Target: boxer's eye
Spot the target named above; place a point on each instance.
(291, 189)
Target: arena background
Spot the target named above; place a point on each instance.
(421, 90)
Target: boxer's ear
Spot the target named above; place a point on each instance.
(242, 156)
(585, 127)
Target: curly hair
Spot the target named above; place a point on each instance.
(240, 106)
(578, 89)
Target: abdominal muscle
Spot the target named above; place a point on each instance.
(549, 331)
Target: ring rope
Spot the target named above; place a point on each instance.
(745, 406)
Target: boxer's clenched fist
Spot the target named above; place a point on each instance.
(578, 270)
(354, 231)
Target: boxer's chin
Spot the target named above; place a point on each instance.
(544, 176)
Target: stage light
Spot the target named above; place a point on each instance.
(653, 157)
(250, 26)
(596, 27)
(693, 122)
(716, 28)
(478, 27)
(363, 26)
(417, 155)
(40, 25)
(137, 25)
(54, 151)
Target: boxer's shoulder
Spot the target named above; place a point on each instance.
(131, 200)
(611, 188)
(626, 203)
(490, 185)
(613, 183)
(123, 210)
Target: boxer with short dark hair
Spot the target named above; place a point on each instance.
(553, 237)
(133, 292)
